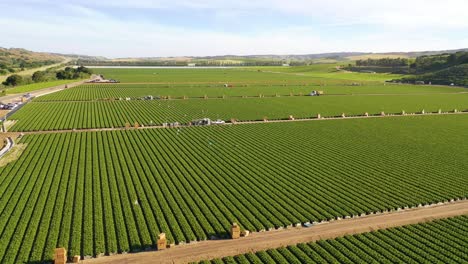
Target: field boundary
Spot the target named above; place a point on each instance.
(169, 98)
(210, 249)
(246, 122)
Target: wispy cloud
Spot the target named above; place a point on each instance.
(121, 28)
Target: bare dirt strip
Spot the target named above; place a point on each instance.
(273, 239)
(236, 123)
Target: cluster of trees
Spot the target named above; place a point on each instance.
(49, 75)
(425, 64)
(384, 62)
(70, 73)
(6, 69)
(458, 75)
(440, 69)
(15, 65)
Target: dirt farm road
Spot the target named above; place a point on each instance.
(272, 239)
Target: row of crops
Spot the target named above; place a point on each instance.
(441, 241)
(91, 92)
(180, 75)
(115, 191)
(105, 114)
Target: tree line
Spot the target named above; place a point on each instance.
(68, 73)
(384, 62)
(425, 64)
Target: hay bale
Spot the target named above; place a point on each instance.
(136, 125)
(382, 113)
(76, 259)
(343, 115)
(235, 231)
(319, 116)
(291, 117)
(162, 242)
(60, 256)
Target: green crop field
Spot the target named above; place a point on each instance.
(79, 115)
(318, 73)
(441, 241)
(226, 75)
(330, 71)
(90, 92)
(105, 192)
(35, 86)
(115, 191)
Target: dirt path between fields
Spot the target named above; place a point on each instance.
(272, 239)
(239, 123)
(17, 97)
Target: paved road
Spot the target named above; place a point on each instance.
(273, 239)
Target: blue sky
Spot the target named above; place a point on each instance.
(144, 28)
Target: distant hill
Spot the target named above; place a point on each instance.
(254, 60)
(13, 60)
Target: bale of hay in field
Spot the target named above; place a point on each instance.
(343, 115)
(76, 259)
(440, 111)
(127, 125)
(233, 120)
(265, 119)
(60, 256)
(235, 231)
(162, 241)
(366, 114)
(403, 112)
(136, 125)
(291, 117)
(382, 113)
(319, 116)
